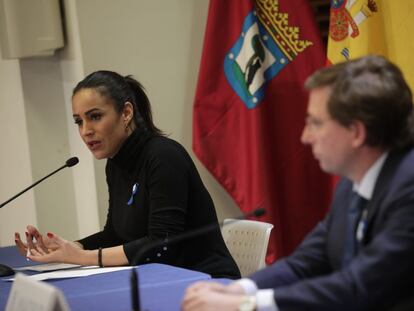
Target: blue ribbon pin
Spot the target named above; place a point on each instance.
(134, 191)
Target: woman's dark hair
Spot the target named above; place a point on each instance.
(372, 90)
(121, 90)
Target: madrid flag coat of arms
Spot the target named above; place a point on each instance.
(250, 108)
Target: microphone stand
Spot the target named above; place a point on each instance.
(178, 238)
(136, 304)
(69, 163)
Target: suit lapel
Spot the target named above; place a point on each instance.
(337, 235)
(381, 187)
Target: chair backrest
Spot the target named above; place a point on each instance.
(247, 242)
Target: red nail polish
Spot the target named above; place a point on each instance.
(27, 234)
(16, 235)
(50, 235)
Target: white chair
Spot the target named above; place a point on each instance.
(247, 242)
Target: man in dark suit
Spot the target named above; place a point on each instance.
(361, 256)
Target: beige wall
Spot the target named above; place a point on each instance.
(48, 144)
(157, 41)
(15, 163)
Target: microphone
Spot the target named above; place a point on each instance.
(178, 238)
(69, 163)
(72, 161)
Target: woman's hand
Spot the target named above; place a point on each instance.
(34, 239)
(52, 248)
(22, 247)
(60, 250)
(49, 248)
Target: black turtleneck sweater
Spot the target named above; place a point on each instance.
(155, 192)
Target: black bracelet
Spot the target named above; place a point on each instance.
(100, 257)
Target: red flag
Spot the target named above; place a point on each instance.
(250, 109)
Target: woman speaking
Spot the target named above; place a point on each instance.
(155, 191)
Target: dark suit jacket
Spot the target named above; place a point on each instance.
(382, 273)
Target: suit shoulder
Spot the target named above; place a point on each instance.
(405, 165)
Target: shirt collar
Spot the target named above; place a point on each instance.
(366, 187)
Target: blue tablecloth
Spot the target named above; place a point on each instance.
(161, 286)
(11, 257)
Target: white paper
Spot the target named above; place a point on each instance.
(73, 273)
(48, 267)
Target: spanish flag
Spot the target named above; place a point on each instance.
(381, 27)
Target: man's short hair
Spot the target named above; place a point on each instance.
(372, 90)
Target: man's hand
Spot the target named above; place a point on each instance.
(206, 296)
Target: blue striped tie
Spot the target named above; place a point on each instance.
(354, 215)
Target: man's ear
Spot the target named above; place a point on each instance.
(359, 133)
